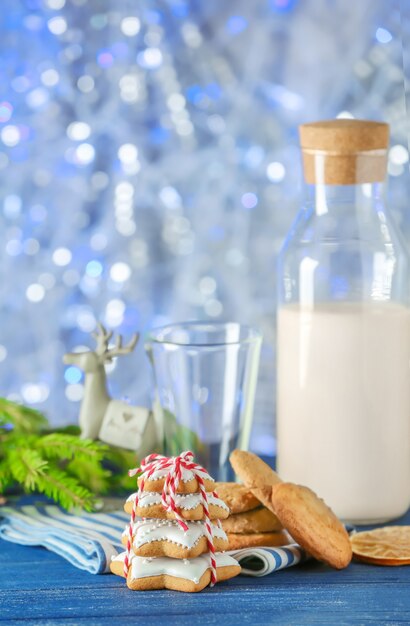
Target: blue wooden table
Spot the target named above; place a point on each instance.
(41, 588)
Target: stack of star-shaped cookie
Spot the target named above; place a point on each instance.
(166, 555)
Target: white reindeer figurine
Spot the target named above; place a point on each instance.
(112, 421)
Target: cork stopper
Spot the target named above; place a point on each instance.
(344, 151)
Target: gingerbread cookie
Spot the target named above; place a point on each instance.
(159, 538)
(257, 521)
(189, 506)
(256, 474)
(117, 563)
(175, 553)
(238, 497)
(312, 524)
(178, 574)
(187, 484)
(239, 541)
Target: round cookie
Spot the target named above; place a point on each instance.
(256, 474)
(238, 497)
(257, 521)
(312, 524)
(239, 541)
(158, 538)
(189, 506)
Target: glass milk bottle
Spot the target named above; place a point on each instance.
(343, 406)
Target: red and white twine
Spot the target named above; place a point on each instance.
(174, 465)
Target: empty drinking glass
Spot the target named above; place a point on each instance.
(205, 376)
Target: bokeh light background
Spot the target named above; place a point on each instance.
(150, 168)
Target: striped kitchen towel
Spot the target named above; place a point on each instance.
(89, 540)
(263, 561)
(86, 540)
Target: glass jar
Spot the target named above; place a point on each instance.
(343, 330)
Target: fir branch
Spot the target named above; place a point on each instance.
(92, 475)
(68, 429)
(5, 475)
(21, 417)
(26, 467)
(58, 463)
(62, 446)
(65, 490)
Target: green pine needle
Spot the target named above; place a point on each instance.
(65, 490)
(70, 470)
(57, 446)
(27, 467)
(21, 417)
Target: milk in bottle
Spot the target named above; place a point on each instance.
(343, 331)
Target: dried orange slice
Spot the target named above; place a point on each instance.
(389, 545)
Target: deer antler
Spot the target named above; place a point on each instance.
(102, 338)
(120, 349)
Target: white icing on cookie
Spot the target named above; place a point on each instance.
(185, 501)
(186, 475)
(188, 569)
(148, 530)
(121, 557)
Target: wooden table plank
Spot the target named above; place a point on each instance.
(43, 589)
(315, 603)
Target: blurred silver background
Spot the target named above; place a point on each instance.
(150, 168)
